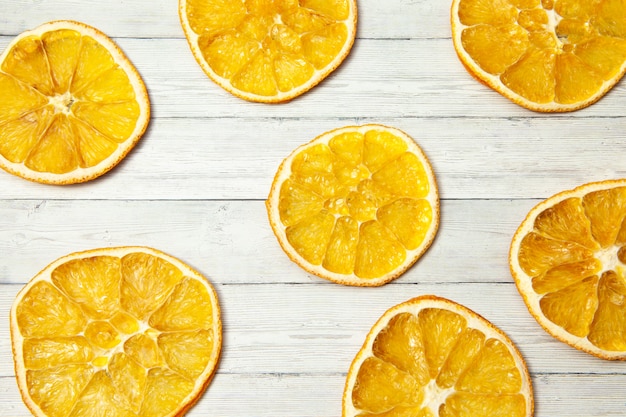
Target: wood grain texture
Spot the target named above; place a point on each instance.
(392, 19)
(195, 187)
(232, 158)
(278, 395)
(231, 241)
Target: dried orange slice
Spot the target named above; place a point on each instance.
(125, 331)
(568, 259)
(545, 55)
(430, 357)
(357, 205)
(269, 50)
(71, 104)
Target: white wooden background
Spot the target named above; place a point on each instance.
(195, 187)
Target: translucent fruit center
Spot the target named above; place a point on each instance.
(62, 102)
(610, 258)
(435, 396)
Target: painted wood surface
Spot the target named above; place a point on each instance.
(196, 183)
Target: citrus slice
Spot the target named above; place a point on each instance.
(357, 205)
(269, 50)
(568, 259)
(125, 331)
(545, 55)
(71, 104)
(430, 357)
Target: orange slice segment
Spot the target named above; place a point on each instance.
(548, 56)
(71, 104)
(269, 50)
(124, 331)
(357, 205)
(431, 357)
(568, 260)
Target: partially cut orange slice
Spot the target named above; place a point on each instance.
(71, 104)
(431, 357)
(568, 259)
(117, 332)
(269, 50)
(545, 55)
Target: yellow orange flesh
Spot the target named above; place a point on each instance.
(357, 205)
(269, 50)
(431, 357)
(568, 258)
(126, 331)
(545, 55)
(71, 104)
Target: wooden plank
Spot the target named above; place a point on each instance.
(318, 329)
(389, 19)
(231, 158)
(232, 242)
(425, 79)
(277, 395)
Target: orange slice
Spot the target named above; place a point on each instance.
(545, 55)
(71, 104)
(126, 331)
(269, 50)
(430, 357)
(568, 259)
(357, 205)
